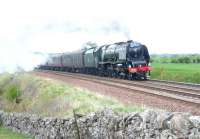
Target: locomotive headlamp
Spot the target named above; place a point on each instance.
(132, 70)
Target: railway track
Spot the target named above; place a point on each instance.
(180, 91)
(192, 85)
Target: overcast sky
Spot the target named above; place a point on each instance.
(28, 26)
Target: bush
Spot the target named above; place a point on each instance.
(1, 91)
(5, 79)
(1, 123)
(12, 92)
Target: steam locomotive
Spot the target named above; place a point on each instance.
(128, 60)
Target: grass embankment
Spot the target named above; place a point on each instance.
(47, 97)
(176, 72)
(8, 134)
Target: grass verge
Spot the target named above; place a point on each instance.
(48, 97)
(8, 134)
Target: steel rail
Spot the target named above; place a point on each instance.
(177, 83)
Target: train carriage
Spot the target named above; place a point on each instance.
(77, 61)
(54, 62)
(67, 62)
(89, 58)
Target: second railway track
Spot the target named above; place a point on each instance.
(182, 92)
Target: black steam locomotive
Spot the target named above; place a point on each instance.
(123, 59)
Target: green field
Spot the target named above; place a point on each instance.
(176, 72)
(8, 134)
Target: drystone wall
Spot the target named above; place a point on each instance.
(107, 125)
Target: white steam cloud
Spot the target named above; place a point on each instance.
(59, 37)
(30, 29)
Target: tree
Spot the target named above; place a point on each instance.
(198, 60)
(174, 60)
